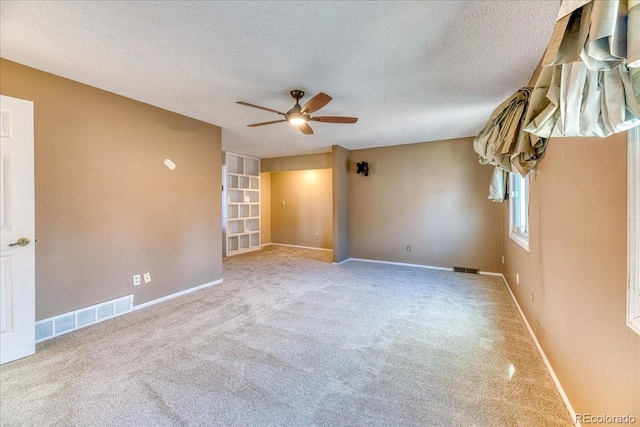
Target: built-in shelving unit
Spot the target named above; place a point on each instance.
(240, 203)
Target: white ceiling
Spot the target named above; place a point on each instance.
(411, 71)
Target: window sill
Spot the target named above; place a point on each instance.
(520, 239)
(634, 324)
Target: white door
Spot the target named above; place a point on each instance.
(17, 230)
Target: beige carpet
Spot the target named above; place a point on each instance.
(290, 340)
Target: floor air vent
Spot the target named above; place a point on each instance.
(466, 270)
(58, 325)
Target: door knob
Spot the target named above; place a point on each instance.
(23, 241)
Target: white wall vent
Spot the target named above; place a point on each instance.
(105, 311)
(122, 306)
(64, 324)
(86, 317)
(67, 322)
(44, 330)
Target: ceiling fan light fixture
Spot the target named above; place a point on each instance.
(297, 119)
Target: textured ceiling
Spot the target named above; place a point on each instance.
(411, 71)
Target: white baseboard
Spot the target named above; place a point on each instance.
(484, 273)
(297, 246)
(177, 294)
(490, 273)
(554, 377)
(243, 251)
(404, 264)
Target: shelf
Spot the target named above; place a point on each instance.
(235, 164)
(252, 167)
(243, 241)
(232, 243)
(252, 224)
(242, 251)
(235, 196)
(252, 196)
(241, 204)
(243, 182)
(235, 226)
(244, 233)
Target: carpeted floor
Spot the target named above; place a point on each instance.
(290, 340)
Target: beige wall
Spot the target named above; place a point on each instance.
(431, 196)
(296, 163)
(577, 272)
(106, 206)
(341, 216)
(307, 210)
(265, 208)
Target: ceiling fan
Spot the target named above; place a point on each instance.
(300, 116)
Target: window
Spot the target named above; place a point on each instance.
(519, 209)
(633, 241)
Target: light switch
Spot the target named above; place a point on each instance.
(168, 163)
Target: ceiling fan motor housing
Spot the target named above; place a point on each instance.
(294, 113)
(297, 94)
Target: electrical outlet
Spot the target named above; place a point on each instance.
(517, 278)
(282, 203)
(316, 236)
(146, 277)
(408, 248)
(531, 297)
(136, 280)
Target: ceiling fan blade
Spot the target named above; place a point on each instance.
(266, 123)
(306, 129)
(259, 107)
(334, 119)
(316, 103)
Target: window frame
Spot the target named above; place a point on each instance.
(515, 232)
(633, 229)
